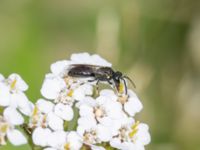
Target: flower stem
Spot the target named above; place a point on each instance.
(29, 138)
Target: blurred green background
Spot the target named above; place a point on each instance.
(156, 42)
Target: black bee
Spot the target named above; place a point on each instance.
(99, 73)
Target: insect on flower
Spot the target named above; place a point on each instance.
(99, 73)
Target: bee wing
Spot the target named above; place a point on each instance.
(86, 65)
(82, 70)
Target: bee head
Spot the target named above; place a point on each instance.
(117, 75)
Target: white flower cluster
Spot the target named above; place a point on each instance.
(13, 106)
(73, 115)
(104, 120)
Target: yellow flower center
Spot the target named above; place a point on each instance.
(134, 129)
(90, 137)
(44, 120)
(123, 99)
(98, 112)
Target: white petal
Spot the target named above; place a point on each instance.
(75, 140)
(82, 91)
(13, 116)
(64, 111)
(80, 130)
(85, 58)
(101, 100)
(58, 67)
(94, 147)
(86, 111)
(57, 139)
(87, 88)
(16, 137)
(22, 103)
(103, 133)
(52, 86)
(116, 143)
(1, 77)
(143, 135)
(54, 121)
(106, 92)
(40, 136)
(50, 148)
(78, 93)
(86, 100)
(14, 100)
(106, 121)
(133, 106)
(109, 94)
(28, 109)
(100, 61)
(131, 145)
(114, 109)
(115, 128)
(80, 58)
(44, 106)
(4, 95)
(127, 120)
(87, 122)
(20, 84)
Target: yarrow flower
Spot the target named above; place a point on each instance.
(12, 94)
(100, 119)
(131, 135)
(74, 113)
(13, 106)
(8, 121)
(46, 114)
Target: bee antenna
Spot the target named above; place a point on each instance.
(126, 77)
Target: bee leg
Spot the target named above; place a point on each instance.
(87, 81)
(97, 87)
(109, 82)
(26, 129)
(125, 86)
(92, 80)
(97, 84)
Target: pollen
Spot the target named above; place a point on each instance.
(35, 111)
(13, 84)
(121, 88)
(67, 146)
(4, 128)
(134, 129)
(70, 93)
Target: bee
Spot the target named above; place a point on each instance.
(99, 74)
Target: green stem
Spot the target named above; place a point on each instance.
(29, 137)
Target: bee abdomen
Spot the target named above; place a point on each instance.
(81, 72)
